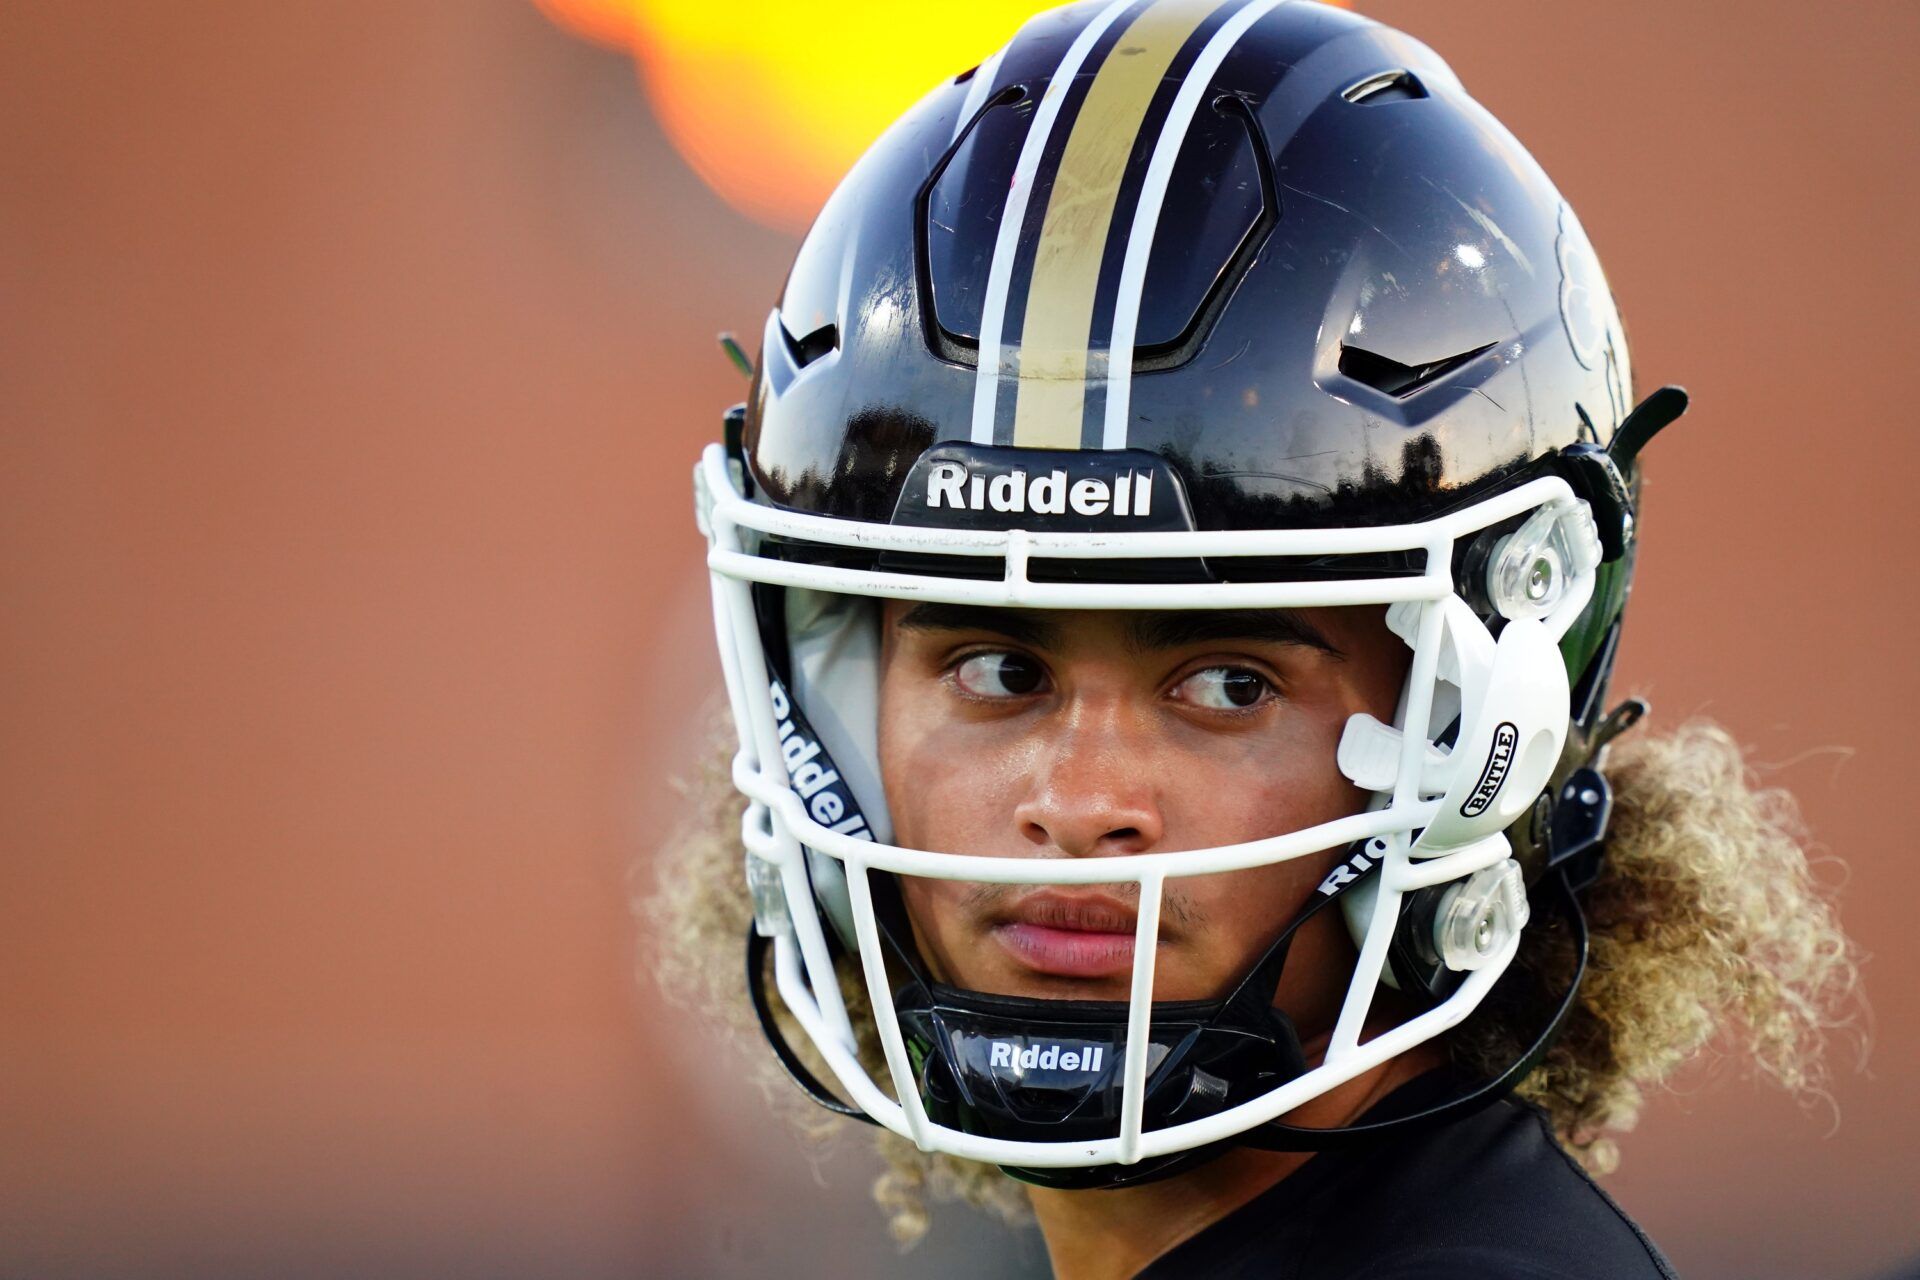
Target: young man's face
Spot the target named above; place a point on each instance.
(1072, 734)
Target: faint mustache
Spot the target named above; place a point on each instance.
(1176, 910)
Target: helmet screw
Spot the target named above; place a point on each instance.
(1483, 934)
(1540, 580)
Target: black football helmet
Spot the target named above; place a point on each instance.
(1180, 304)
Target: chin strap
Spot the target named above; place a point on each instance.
(796, 1070)
(1278, 1136)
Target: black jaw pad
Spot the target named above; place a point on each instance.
(987, 1065)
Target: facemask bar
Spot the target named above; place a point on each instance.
(777, 828)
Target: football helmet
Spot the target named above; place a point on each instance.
(1179, 305)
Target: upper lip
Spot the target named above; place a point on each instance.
(1086, 913)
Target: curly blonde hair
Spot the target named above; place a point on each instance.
(1706, 921)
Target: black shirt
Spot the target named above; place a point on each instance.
(1490, 1197)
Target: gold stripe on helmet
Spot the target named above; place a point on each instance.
(1073, 235)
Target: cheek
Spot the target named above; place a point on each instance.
(905, 743)
(936, 910)
(950, 786)
(1266, 785)
(1288, 782)
(1225, 923)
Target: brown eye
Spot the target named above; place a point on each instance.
(999, 675)
(1224, 688)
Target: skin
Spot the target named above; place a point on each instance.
(1070, 734)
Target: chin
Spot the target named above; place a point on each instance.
(1055, 987)
(998, 975)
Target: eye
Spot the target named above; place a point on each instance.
(999, 675)
(1224, 688)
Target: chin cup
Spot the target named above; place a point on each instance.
(998, 1066)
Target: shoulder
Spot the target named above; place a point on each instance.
(1488, 1196)
(1492, 1196)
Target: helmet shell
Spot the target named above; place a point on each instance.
(1362, 301)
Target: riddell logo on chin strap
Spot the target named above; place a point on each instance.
(952, 485)
(1351, 870)
(1053, 1057)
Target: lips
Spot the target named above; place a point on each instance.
(1069, 936)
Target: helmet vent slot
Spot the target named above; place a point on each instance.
(813, 346)
(1383, 373)
(1196, 182)
(1388, 86)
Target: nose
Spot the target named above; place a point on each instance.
(1094, 790)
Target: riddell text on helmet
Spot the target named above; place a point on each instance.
(811, 774)
(950, 484)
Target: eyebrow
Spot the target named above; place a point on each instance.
(1145, 631)
(1018, 625)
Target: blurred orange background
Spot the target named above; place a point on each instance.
(352, 360)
